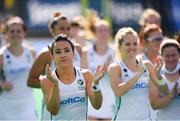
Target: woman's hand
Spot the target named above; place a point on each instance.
(49, 75)
(6, 86)
(141, 65)
(174, 92)
(159, 64)
(99, 73)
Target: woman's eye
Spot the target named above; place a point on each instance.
(67, 50)
(127, 44)
(13, 31)
(57, 52)
(135, 44)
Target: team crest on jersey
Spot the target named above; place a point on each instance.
(7, 56)
(126, 75)
(145, 74)
(8, 59)
(125, 70)
(81, 84)
(9, 62)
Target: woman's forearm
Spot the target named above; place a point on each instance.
(161, 102)
(54, 100)
(97, 96)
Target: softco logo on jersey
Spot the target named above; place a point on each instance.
(18, 70)
(73, 100)
(140, 85)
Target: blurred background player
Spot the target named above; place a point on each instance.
(16, 60)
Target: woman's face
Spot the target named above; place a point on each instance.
(15, 34)
(74, 31)
(153, 41)
(102, 33)
(171, 57)
(129, 46)
(62, 27)
(153, 20)
(63, 54)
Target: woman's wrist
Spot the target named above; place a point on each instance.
(96, 87)
(95, 82)
(162, 81)
(55, 86)
(171, 94)
(54, 81)
(159, 75)
(139, 74)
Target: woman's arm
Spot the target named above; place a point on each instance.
(84, 58)
(119, 87)
(33, 52)
(38, 68)
(161, 84)
(92, 86)
(50, 91)
(83, 54)
(157, 101)
(4, 84)
(51, 96)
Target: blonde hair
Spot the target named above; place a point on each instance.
(101, 22)
(119, 38)
(91, 18)
(148, 12)
(79, 21)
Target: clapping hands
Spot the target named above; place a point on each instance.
(141, 65)
(174, 92)
(159, 63)
(99, 73)
(49, 75)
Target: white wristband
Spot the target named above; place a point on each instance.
(162, 81)
(96, 88)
